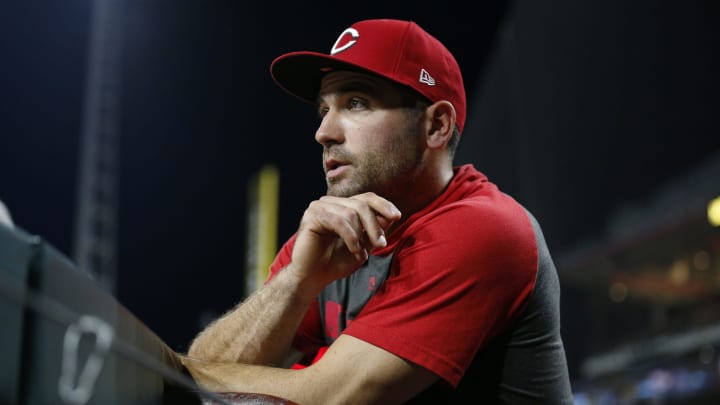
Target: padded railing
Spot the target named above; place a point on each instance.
(65, 340)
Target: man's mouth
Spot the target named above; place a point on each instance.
(334, 168)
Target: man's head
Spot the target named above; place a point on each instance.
(400, 51)
(391, 101)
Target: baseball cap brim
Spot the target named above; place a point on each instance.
(300, 73)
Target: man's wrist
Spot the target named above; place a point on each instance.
(302, 287)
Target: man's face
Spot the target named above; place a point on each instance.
(371, 137)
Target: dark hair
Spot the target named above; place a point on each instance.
(453, 142)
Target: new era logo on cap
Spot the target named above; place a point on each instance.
(397, 50)
(426, 78)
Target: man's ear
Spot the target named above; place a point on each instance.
(441, 116)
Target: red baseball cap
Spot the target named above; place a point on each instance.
(398, 50)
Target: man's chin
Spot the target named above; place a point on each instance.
(341, 188)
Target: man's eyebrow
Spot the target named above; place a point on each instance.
(359, 86)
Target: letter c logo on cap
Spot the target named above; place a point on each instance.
(347, 39)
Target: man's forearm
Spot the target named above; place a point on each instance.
(351, 371)
(247, 378)
(259, 330)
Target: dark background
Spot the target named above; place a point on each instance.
(575, 108)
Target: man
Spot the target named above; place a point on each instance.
(412, 280)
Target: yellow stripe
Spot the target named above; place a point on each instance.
(268, 190)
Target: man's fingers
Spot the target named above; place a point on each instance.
(374, 213)
(377, 215)
(341, 221)
(336, 234)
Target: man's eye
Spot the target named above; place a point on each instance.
(356, 103)
(322, 112)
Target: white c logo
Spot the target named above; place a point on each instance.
(354, 35)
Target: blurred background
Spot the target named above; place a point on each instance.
(147, 142)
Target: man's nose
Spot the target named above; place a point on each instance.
(330, 130)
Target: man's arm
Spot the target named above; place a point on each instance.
(351, 371)
(332, 242)
(261, 329)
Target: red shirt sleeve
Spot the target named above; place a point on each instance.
(459, 277)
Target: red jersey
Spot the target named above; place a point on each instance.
(452, 277)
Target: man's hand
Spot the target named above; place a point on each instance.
(335, 235)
